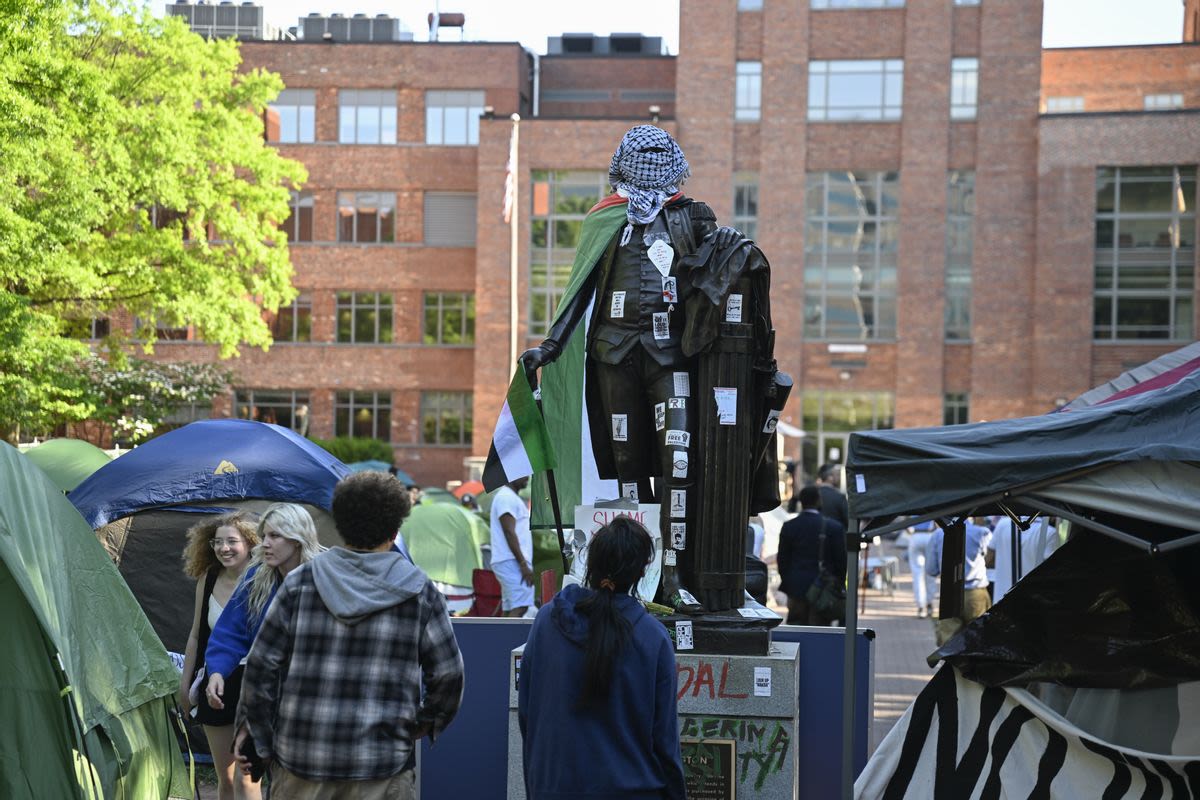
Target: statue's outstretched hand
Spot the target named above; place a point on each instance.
(724, 236)
(535, 358)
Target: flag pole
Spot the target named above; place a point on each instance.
(514, 215)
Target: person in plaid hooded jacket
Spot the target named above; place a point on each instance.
(332, 693)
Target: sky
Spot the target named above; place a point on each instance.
(1067, 23)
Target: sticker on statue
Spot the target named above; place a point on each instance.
(662, 325)
(733, 308)
(629, 491)
(679, 535)
(772, 421)
(683, 386)
(661, 255)
(677, 402)
(679, 464)
(670, 290)
(678, 503)
(726, 405)
(620, 428)
(660, 416)
(679, 439)
(617, 309)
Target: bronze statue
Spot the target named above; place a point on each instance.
(665, 284)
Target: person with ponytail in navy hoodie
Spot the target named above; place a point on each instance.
(596, 699)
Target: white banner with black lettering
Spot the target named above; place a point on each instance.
(964, 741)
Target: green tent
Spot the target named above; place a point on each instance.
(443, 539)
(86, 688)
(67, 462)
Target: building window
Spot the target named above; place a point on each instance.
(185, 415)
(299, 224)
(956, 408)
(748, 94)
(450, 219)
(966, 2)
(366, 116)
(452, 117)
(364, 317)
(850, 240)
(449, 318)
(293, 322)
(830, 417)
(365, 415)
(857, 3)
(163, 330)
(560, 202)
(749, 5)
(964, 87)
(1064, 105)
(855, 90)
(87, 328)
(295, 111)
(446, 418)
(1163, 102)
(745, 204)
(366, 217)
(960, 250)
(1145, 252)
(285, 407)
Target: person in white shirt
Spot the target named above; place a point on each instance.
(1037, 543)
(512, 548)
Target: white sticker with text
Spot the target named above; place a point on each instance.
(726, 405)
(683, 386)
(679, 439)
(733, 308)
(762, 681)
(620, 428)
(617, 310)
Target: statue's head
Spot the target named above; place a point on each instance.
(648, 158)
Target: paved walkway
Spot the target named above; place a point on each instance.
(901, 645)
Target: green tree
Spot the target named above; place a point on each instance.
(133, 177)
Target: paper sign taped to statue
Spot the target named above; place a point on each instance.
(662, 325)
(733, 308)
(617, 309)
(762, 681)
(679, 536)
(661, 255)
(670, 290)
(620, 428)
(660, 416)
(589, 519)
(683, 635)
(629, 491)
(679, 438)
(726, 405)
(678, 503)
(683, 386)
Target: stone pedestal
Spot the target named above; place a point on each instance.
(737, 723)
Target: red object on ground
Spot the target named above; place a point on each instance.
(487, 594)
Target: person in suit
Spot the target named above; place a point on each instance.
(833, 501)
(799, 545)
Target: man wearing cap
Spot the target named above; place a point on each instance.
(640, 395)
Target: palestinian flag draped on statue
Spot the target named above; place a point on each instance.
(520, 445)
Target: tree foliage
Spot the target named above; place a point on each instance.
(133, 178)
(135, 396)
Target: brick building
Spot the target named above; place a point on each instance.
(944, 226)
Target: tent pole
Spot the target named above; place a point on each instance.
(849, 673)
(1098, 527)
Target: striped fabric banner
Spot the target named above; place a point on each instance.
(520, 444)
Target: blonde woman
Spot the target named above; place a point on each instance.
(288, 539)
(217, 553)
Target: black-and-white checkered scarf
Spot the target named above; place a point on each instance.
(647, 168)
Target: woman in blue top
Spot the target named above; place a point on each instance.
(596, 701)
(288, 539)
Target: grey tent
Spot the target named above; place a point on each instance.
(1122, 463)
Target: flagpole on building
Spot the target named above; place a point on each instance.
(514, 213)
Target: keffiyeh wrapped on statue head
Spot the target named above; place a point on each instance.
(647, 168)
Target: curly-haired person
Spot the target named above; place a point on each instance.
(217, 553)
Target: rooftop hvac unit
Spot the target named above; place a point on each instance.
(360, 28)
